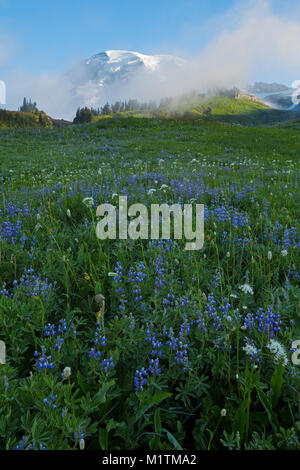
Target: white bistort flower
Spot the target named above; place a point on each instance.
(246, 288)
(67, 372)
(278, 350)
(284, 252)
(250, 350)
(151, 191)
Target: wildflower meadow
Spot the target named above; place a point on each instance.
(140, 344)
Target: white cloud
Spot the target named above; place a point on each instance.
(7, 48)
(259, 40)
(251, 41)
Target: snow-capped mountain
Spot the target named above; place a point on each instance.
(121, 75)
(109, 66)
(114, 74)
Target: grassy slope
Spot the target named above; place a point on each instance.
(223, 108)
(221, 140)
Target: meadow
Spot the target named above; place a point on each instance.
(140, 344)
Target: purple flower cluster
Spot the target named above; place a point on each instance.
(50, 401)
(44, 361)
(118, 281)
(264, 321)
(24, 445)
(60, 332)
(136, 276)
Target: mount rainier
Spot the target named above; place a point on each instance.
(116, 74)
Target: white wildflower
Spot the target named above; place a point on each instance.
(163, 187)
(246, 288)
(68, 213)
(284, 253)
(151, 191)
(67, 372)
(88, 201)
(270, 255)
(250, 350)
(278, 350)
(223, 412)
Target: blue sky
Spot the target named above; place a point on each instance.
(231, 42)
(45, 36)
(48, 34)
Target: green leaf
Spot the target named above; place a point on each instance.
(276, 384)
(81, 382)
(157, 421)
(266, 402)
(155, 400)
(103, 439)
(172, 440)
(100, 396)
(239, 420)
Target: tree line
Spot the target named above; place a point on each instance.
(88, 114)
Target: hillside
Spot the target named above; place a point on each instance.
(19, 119)
(241, 109)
